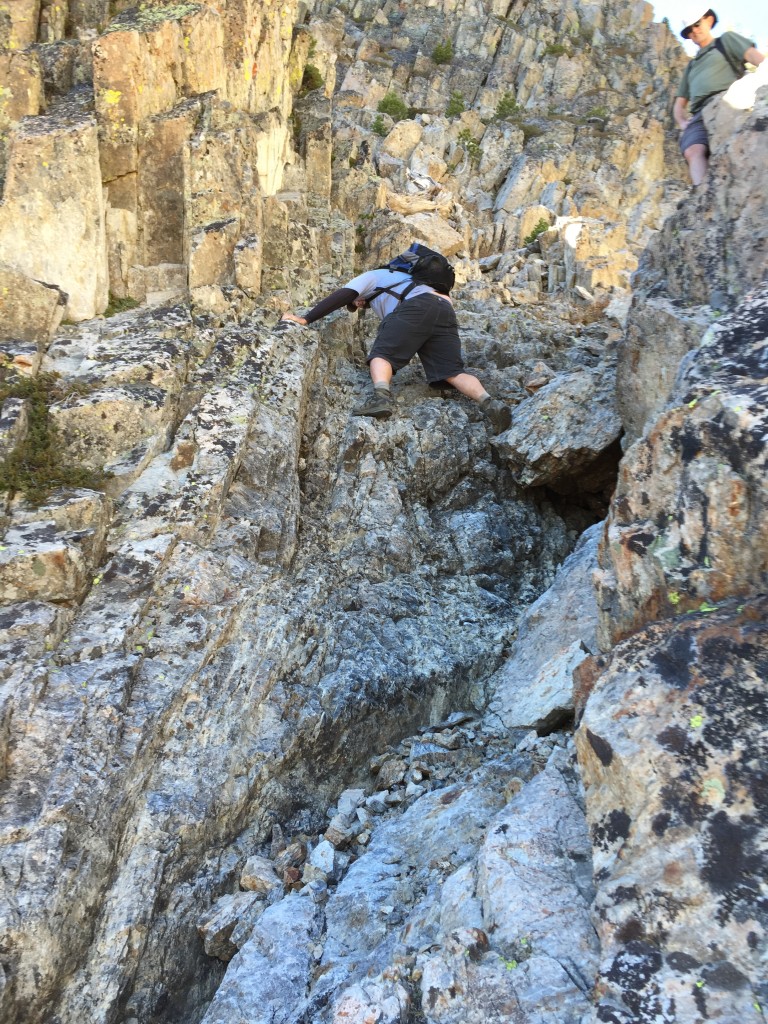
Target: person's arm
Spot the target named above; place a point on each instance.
(680, 113)
(753, 56)
(341, 297)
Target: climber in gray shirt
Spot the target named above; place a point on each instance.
(415, 320)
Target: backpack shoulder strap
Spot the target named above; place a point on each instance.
(737, 69)
(390, 291)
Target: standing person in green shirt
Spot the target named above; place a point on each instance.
(717, 65)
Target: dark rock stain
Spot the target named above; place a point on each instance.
(700, 999)
(674, 739)
(632, 972)
(724, 863)
(681, 804)
(631, 930)
(601, 747)
(624, 893)
(639, 542)
(612, 829)
(674, 663)
(690, 445)
(661, 823)
(725, 976)
(680, 961)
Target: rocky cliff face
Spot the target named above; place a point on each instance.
(287, 704)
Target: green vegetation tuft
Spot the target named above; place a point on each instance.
(378, 127)
(507, 107)
(443, 52)
(116, 305)
(601, 112)
(393, 105)
(541, 226)
(36, 467)
(311, 80)
(456, 105)
(531, 131)
(555, 50)
(472, 147)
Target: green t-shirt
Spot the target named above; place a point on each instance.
(710, 73)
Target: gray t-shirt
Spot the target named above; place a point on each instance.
(367, 283)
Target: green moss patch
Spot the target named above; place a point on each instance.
(116, 305)
(36, 466)
(147, 15)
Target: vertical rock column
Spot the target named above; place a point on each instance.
(52, 215)
(143, 70)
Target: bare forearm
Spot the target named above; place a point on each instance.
(753, 56)
(680, 112)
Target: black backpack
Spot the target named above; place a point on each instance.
(425, 267)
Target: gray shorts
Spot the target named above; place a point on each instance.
(424, 326)
(695, 134)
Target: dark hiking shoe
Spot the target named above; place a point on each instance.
(498, 415)
(379, 405)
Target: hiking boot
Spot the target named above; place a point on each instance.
(379, 405)
(498, 415)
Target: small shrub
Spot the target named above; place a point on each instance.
(507, 106)
(472, 147)
(35, 467)
(531, 131)
(378, 127)
(311, 80)
(541, 226)
(393, 105)
(443, 52)
(456, 105)
(555, 50)
(115, 305)
(601, 112)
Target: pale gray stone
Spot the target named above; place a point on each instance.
(350, 800)
(534, 687)
(558, 435)
(271, 972)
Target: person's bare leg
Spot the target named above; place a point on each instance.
(380, 404)
(698, 162)
(469, 385)
(381, 371)
(496, 412)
